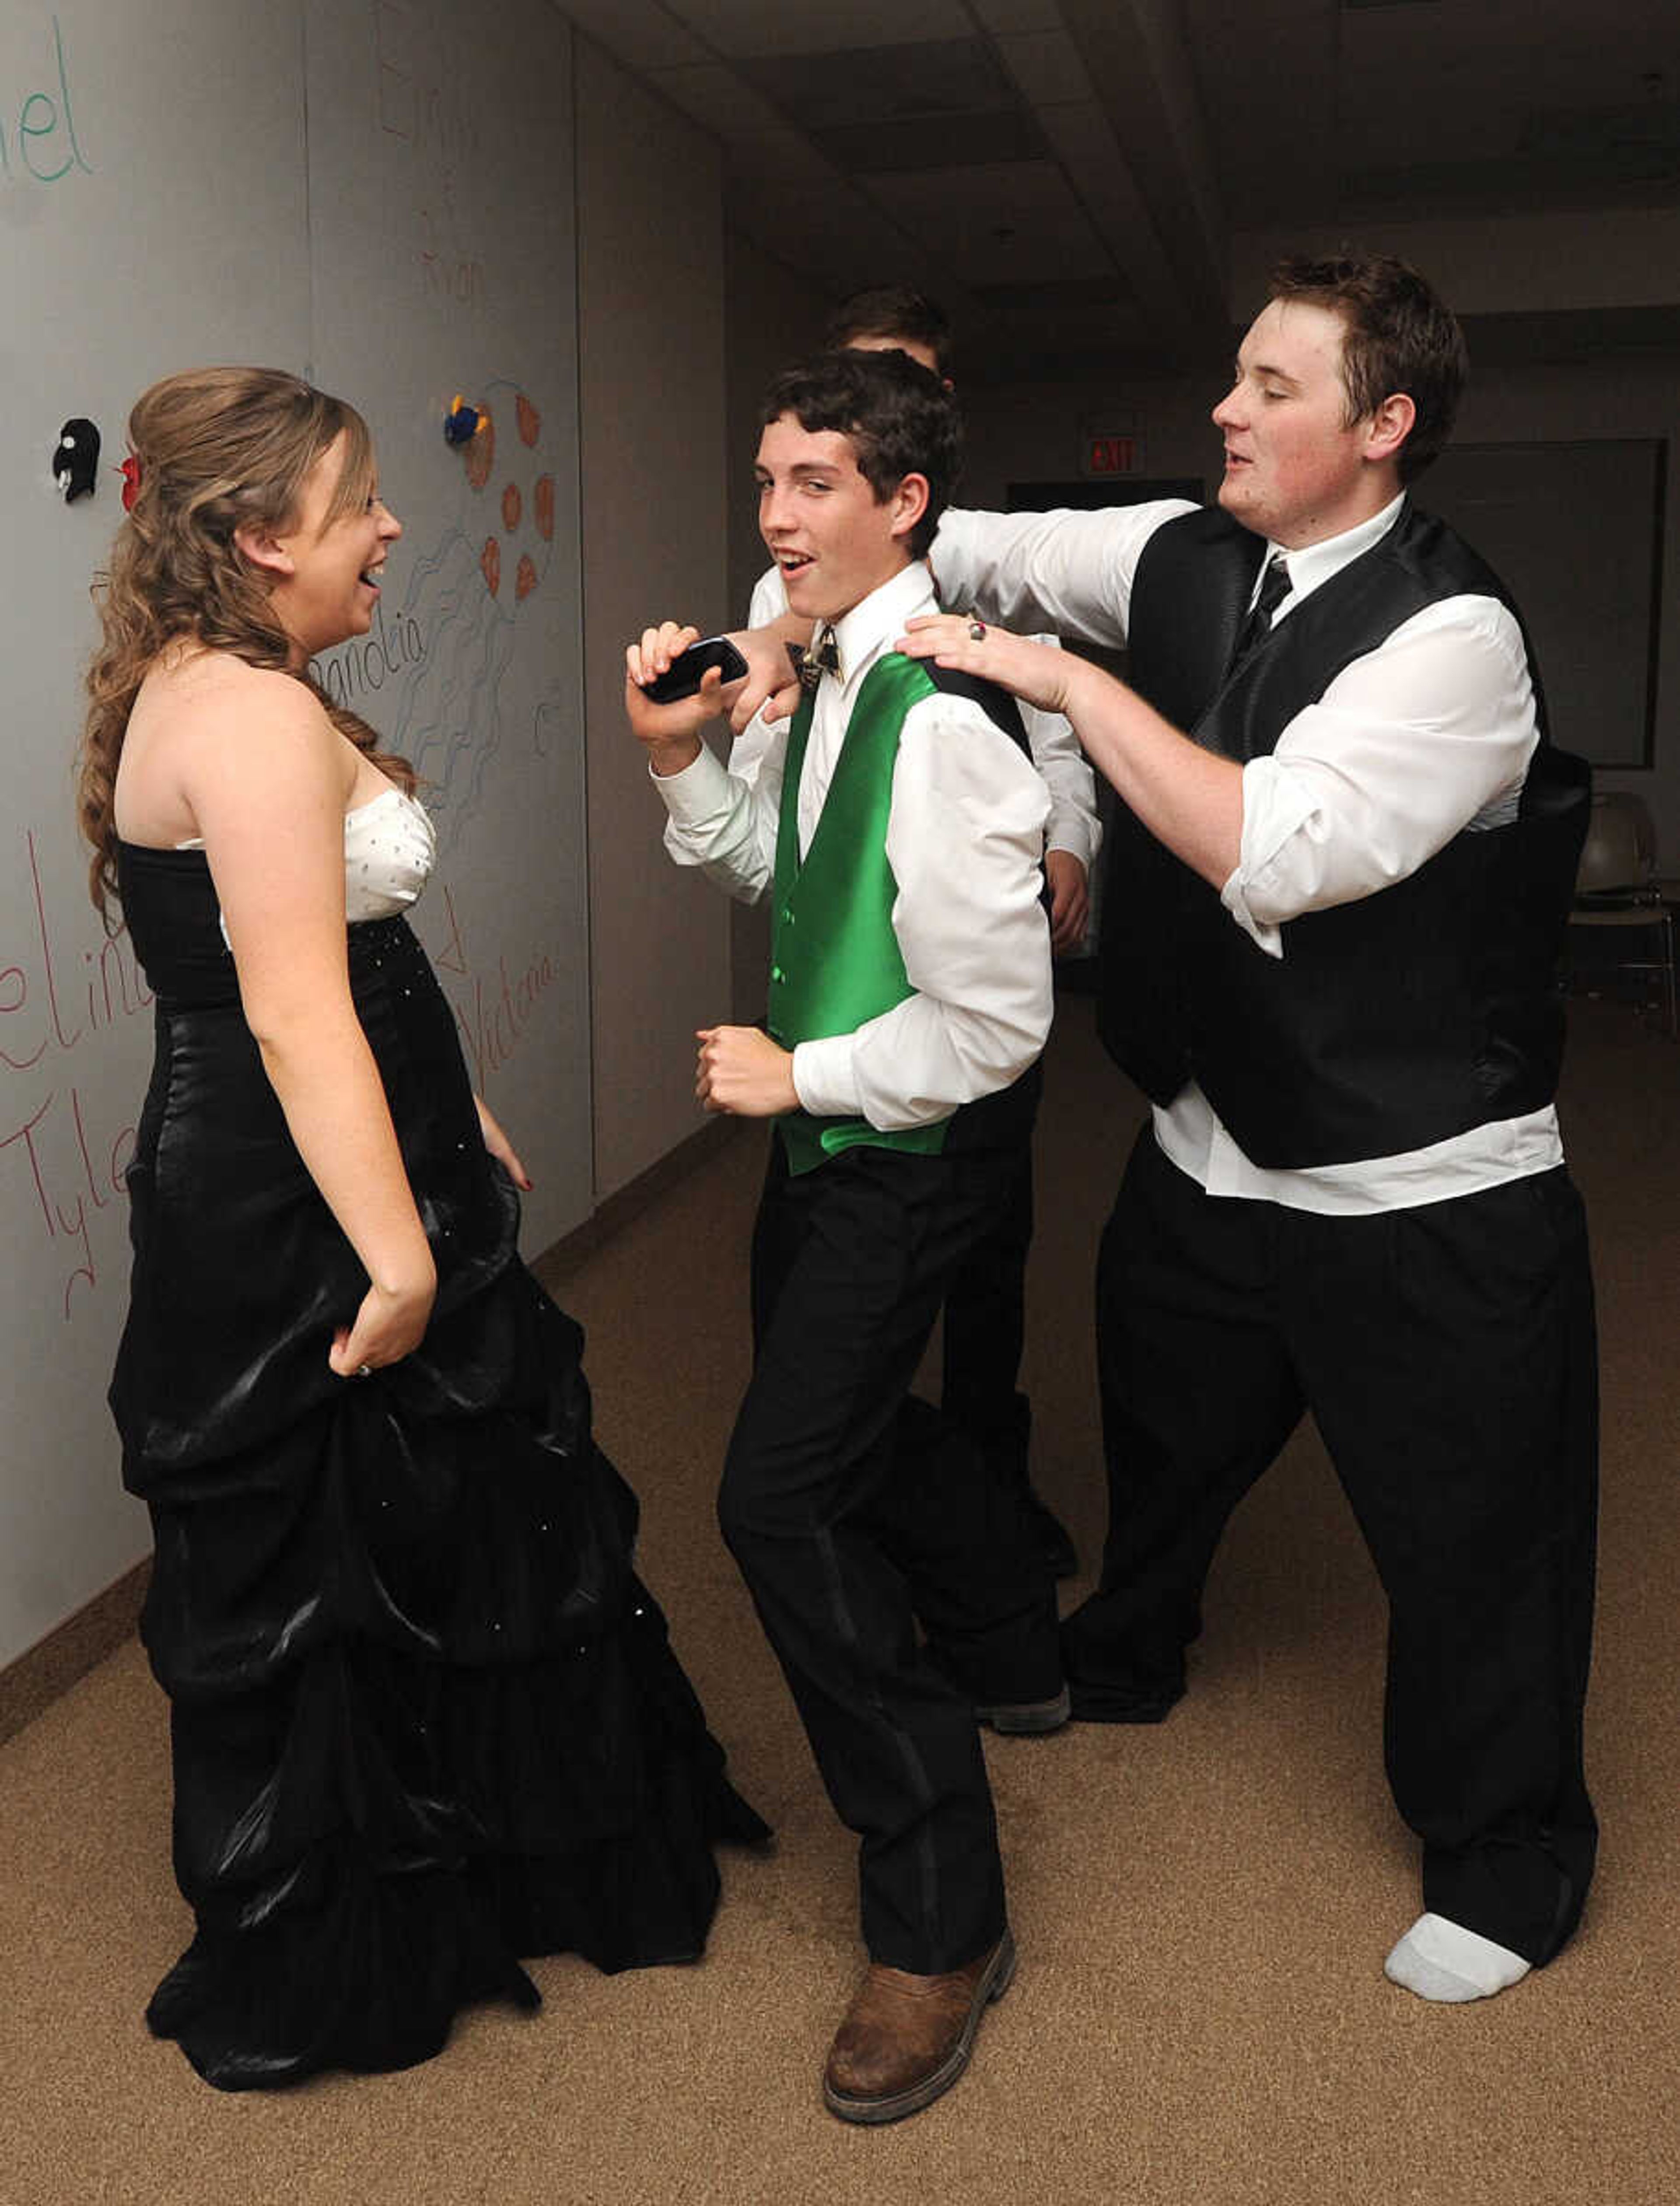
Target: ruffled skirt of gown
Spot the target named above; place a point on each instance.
(425, 1719)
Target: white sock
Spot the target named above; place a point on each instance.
(1442, 1960)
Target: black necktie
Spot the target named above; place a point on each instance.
(1274, 587)
(812, 661)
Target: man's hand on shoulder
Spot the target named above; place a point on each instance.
(741, 1072)
(1037, 673)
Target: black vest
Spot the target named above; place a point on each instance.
(1002, 1119)
(1389, 1023)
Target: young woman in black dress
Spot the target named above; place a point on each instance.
(425, 1719)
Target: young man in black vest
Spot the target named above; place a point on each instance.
(1336, 893)
(899, 824)
(984, 1318)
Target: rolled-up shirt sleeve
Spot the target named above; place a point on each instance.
(963, 839)
(1073, 825)
(1066, 570)
(1411, 743)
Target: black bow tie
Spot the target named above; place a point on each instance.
(812, 661)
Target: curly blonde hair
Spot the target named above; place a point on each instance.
(219, 449)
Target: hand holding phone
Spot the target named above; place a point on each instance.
(682, 678)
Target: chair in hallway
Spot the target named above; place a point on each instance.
(1616, 888)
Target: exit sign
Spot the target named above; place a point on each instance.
(1109, 454)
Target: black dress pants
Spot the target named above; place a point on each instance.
(985, 1319)
(850, 1264)
(1448, 1353)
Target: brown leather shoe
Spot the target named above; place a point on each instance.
(907, 2038)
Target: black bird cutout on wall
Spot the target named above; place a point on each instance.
(75, 458)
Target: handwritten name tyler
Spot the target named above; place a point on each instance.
(49, 1012)
(54, 1011)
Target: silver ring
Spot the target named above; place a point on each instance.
(977, 631)
(364, 1371)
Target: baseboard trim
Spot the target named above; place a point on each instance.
(635, 1196)
(34, 1680)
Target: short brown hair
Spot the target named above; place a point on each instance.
(891, 310)
(1397, 335)
(900, 421)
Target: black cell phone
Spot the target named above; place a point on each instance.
(681, 678)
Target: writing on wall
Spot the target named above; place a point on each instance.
(66, 1135)
(352, 671)
(494, 1013)
(429, 674)
(66, 1130)
(39, 141)
(417, 102)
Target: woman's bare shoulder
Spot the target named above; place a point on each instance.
(188, 686)
(207, 724)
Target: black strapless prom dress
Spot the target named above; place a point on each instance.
(425, 1719)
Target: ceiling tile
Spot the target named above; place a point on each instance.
(929, 78)
(1082, 139)
(1046, 68)
(1003, 18)
(715, 96)
(838, 242)
(954, 141)
(1005, 224)
(739, 28)
(1079, 295)
(640, 34)
(1424, 110)
(788, 165)
(998, 152)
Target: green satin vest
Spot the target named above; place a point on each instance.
(834, 959)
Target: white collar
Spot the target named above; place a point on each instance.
(875, 622)
(1315, 563)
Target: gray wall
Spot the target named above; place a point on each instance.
(381, 198)
(775, 317)
(650, 387)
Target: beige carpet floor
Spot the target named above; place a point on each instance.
(1200, 2019)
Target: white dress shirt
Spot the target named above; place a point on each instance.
(1411, 743)
(965, 829)
(1073, 825)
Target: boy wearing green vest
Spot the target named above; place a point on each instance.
(984, 1325)
(899, 826)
